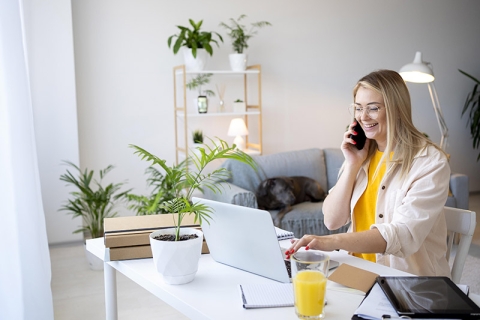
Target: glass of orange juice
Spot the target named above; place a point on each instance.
(309, 277)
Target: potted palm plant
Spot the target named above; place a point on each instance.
(473, 103)
(196, 43)
(92, 201)
(185, 244)
(162, 189)
(240, 35)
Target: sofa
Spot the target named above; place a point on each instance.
(322, 165)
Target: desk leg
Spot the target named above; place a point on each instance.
(110, 278)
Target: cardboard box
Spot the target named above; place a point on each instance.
(135, 230)
(129, 237)
(134, 252)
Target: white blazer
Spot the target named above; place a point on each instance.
(410, 214)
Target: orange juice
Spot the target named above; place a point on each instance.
(309, 289)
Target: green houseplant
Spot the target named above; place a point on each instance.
(176, 251)
(162, 189)
(240, 35)
(91, 201)
(472, 105)
(198, 81)
(197, 43)
(185, 182)
(198, 136)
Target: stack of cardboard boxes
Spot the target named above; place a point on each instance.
(129, 237)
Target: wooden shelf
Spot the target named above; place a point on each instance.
(181, 115)
(217, 114)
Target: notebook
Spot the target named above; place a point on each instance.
(244, 238)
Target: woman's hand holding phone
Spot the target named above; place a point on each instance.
(360, 138)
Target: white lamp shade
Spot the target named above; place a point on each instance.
(237, 128)
(417, 71)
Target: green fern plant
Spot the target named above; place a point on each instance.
(473, 103)
(239, 34)
(91, 200)
(199, 81)
(185, 181)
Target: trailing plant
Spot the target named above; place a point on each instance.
(194, 39)
(239, 34)
(198, 136)
(199, 81)
(91, 200)
(473, 103)
(185, 182)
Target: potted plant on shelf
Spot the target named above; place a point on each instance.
(92, 202)
(196, 83)
(196, 45)
(473, 103)
(197, 137)
(176, 251)
(240, 35)
(239, 106)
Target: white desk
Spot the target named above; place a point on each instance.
(213, 294)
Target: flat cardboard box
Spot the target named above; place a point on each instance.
(135, 230)
(133, 252)
(353, 277)
(139, 252)
(119, 225)
(129, 237)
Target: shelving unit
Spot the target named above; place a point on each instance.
(182, 114)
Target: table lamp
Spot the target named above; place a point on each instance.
(238, 129)
(421, 72)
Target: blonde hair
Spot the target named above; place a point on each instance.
(403, 138)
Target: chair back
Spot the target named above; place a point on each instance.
(461, 222)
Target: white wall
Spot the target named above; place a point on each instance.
(311, 59)
(52, 82)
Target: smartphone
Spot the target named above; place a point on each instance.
(360, 138)
(202, 104)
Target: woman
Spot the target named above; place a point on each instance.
(393, 190)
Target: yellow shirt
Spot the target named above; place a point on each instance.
(365, 209)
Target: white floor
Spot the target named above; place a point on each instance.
(78, 292)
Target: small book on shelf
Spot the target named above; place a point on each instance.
(284, 234)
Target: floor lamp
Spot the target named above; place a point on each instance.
(421, 72)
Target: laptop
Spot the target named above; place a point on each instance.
(245, 238)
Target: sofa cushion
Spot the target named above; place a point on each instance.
(306, 218)
(309, 163)
(333, 160)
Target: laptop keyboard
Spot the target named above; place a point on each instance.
(289, 268)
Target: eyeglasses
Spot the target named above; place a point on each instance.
(357, 111)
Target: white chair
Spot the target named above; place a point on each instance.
(461, 222)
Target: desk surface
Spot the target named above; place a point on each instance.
(213, 294)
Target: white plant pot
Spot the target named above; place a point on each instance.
(238, 61)
(177, 261)
(195, 64)
(239, 107)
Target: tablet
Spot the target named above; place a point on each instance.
(428, 297)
